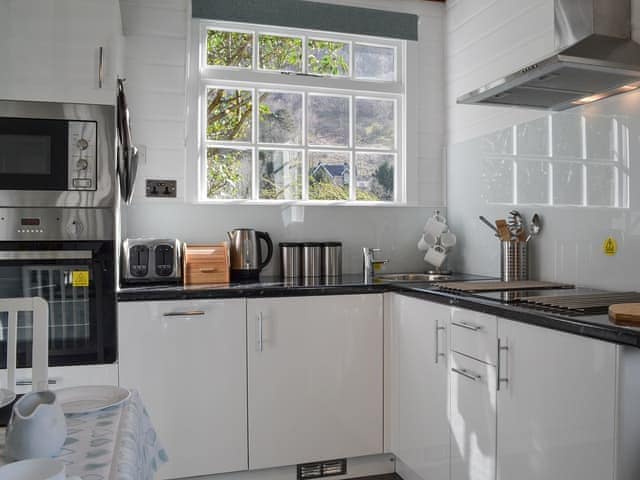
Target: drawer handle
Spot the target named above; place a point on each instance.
(467, 326)
(466, 374)
(191, 313)
(100, 66)
(208, 270)
(26, 382)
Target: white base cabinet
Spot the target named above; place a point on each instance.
(188, 360)
(557, 407)
(418, 379)
(315, 378)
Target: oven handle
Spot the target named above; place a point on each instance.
(46, 255)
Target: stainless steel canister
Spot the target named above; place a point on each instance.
(311, 259)
(331, 260)
(290, 260)
(514, 260)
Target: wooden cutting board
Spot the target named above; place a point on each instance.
(496, 286)
(625, 314)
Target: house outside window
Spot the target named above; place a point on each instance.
(288, 115)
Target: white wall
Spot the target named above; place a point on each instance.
(155, 62)
(489, 38)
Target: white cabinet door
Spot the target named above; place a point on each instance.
(473, 419)
(420, 431)
(315, 378)
(556, 413)
(50, 50)
(188, 360)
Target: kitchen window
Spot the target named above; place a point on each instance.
(288, 115)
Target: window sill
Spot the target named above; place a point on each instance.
(309, 203)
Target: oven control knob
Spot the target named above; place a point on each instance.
(82, 164)
(75, 228)
(82, 144)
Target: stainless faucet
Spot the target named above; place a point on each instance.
(369, 263)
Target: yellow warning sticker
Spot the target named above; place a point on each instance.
(80, 278)
(610, 247)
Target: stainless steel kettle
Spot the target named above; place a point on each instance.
(246, 253)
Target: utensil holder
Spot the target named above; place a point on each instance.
(514, 260)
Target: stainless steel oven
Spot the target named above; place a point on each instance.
(67, 257)
(56, 154)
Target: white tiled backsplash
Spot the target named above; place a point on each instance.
(578, 170)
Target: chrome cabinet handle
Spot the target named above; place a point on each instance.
(501, 348)
(465, 373)
(260, 342)
(437, 334)
(100, 66)
(190, 313)
(467, 326)
(25, 382)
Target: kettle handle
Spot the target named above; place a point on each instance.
(265, 236)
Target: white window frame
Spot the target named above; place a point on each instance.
(202, 76)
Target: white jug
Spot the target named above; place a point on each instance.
(37, 427)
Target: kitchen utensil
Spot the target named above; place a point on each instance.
(206, 263)
(331, 260)
(536, 226)
(516, 225)
(127, 164)
(435, 226)
(290, 260)
(503, 230)
(247, 260)
(37, 427)
(625, 314)
(311, 259)
(436, 255)
(448, 239)
(34, 469)
(488, 223)
(90, 398)
(514, 260)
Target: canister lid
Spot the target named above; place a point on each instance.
(312, 244)
(290, 244)
(332, 244)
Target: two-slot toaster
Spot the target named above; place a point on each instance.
(147, 260)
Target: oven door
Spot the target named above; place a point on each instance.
(77, 280)
(33, 154)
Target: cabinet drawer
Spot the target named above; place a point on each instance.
(475, 335)
(206, 272)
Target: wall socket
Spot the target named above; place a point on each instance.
(161, 188)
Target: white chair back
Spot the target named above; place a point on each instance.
(40, 351)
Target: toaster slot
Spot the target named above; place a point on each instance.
(139, 261)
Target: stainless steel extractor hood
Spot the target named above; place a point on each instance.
(595, 58)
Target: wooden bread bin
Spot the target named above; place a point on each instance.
(208, 263)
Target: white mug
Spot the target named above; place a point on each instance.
(436, 255)
(34, 469)
(434, 227)
(448, 239)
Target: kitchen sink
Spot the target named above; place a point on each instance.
(412, 277)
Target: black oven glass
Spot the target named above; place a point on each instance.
(33, 154)
(81, 297)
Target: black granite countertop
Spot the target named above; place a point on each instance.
(594, 326)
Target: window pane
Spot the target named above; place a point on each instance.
(229, 114)
(374, 63)
(375, 123)
(329, 175)
(327, 58)
(280, 117)
(280, 53)
(228, 173)
(280, 174)
(374, 176)
(328, 120)
(229, 49)
(601, 185)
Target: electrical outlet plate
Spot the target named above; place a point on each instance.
(161, 188)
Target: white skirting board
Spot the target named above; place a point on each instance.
(356, 467)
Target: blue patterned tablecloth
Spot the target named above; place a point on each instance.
(117, 443)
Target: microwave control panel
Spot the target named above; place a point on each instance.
(83, 156)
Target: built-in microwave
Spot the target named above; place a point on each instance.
(56, 154)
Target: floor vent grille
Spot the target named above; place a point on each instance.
(328, 468)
